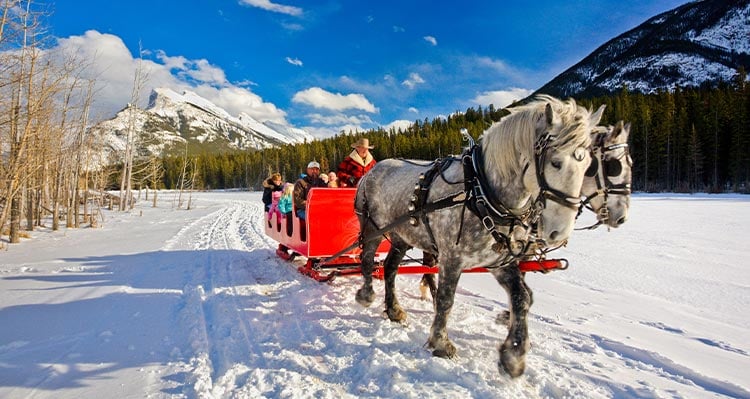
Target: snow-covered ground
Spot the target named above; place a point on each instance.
(163, 302)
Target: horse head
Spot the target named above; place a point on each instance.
(606, 187)
(561, 158)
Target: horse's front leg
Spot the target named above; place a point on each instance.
(366, 295)
(393, 309)
(513, 350)
(446, 291)
(428, 280)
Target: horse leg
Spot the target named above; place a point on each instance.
(446, 291)
(393, 309)
(428, 280)
(366, 295)
(504, 316)
(513, 350)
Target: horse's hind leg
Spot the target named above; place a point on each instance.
(393, 309)
(513, 350)
(366, 295)
(446, 292)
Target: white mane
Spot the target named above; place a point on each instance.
(571, 128)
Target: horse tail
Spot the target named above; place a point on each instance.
(360, 198)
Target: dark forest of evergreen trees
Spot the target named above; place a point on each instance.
(688, 140)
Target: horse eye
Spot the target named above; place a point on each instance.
(556, 164)
(579, 154)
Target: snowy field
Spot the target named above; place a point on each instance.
(163, 303)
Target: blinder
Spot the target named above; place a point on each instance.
(612, 167)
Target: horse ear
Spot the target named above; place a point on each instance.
(597, 116)
(626, 131)
(549, 114)
(621, 129)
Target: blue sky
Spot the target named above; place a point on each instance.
(334, 65)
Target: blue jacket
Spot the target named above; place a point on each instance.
(285, 204)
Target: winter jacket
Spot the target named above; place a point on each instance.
(302, 188)
(275, 197)
(268, 188)
(285, 204)
(353, 167)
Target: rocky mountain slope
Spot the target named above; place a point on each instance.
(173, 120)
(701, 41)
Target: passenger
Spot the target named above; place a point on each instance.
(285, 202)
(356, 164)
(285, 206)
(333, 180)
(302, 188)
(275, 197)
(271, 185)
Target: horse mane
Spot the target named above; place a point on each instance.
(515, 134)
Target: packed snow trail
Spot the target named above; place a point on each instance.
(258, 328)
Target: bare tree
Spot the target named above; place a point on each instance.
(126, 182)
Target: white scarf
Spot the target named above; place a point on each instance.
(364, 162)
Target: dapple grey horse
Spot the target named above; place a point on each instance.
(606, 191)
(476, 211)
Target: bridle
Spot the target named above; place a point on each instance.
(602, 168)
(492, 212)
(546, 192)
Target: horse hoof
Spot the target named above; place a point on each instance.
(447, 352)
(444, 353)
(365, 297)
(397, 315)
(513, 364)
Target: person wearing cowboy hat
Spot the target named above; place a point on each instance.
(356, 164)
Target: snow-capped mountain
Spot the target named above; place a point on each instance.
(173, 119)
(701, 41)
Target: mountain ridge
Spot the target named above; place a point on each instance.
(172, 120)
(698, 42)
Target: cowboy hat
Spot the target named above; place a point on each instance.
(363, 142)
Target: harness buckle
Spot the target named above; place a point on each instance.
(488, 223)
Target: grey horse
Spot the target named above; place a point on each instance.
(521, 185)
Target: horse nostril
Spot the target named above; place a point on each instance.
(553, 235)
(621, 220)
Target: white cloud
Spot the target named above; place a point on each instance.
(501, 98)
(431, 40)
(339, 119)
(319, 98)
(113, 66)
(413, 110)
(398, 29)
(292, 26)
(269, 6)
(398, 124)
(499, 67)
(413, 80)
(322, 132)
(294, 61)
(235, 99)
